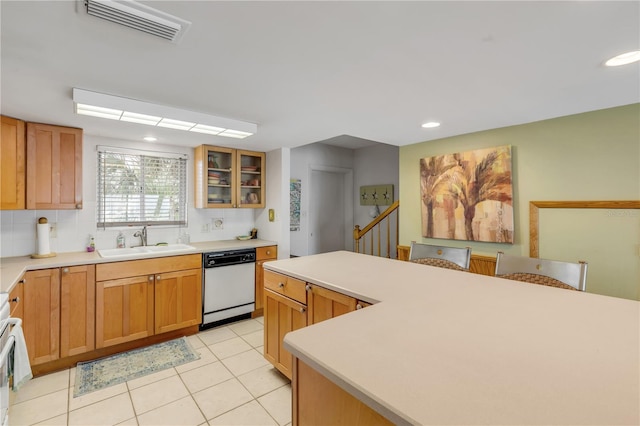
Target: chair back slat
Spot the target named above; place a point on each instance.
(440, 256)
(530, 269)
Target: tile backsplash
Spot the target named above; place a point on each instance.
(73, 228)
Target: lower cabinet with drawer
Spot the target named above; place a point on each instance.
(290, 304)
(139, 298)
(285, 310)
(263, 254)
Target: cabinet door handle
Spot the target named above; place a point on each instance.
(268, 252)
(302, 310)
(65, 270)
(79, 206)
(24, 280)
(15, 300)
(359, 306)
(281, 285)
(158, 277)
(308, 287)
(150, 277)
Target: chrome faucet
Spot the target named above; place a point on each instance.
(142, 234)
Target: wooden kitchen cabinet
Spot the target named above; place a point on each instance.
(13, 164)
(54, 167)
(290, 304)
(325, 304)
(58, 312)
(16, 300)
(124, 310)
(77, 309)
(319, 401)
(285, 310)
(140, 298)
(178, 300)
(41, 322)
(263, 254)
(281, 315)
(228, 178)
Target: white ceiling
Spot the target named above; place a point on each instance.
(312, 71)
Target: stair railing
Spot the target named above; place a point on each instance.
(367, 235)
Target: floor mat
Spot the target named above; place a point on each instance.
(119, 368)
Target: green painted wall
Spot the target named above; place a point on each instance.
(589, 156)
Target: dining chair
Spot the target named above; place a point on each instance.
(553, 273)
(440, 256)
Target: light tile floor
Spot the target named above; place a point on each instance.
(231, 384)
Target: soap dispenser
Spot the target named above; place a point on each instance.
(120, 241)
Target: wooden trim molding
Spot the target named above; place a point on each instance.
(535, 206)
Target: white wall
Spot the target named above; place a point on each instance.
(17, 228)
(377, 165)
(277, 196)
(302, 160)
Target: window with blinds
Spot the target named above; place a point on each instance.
(141, 189)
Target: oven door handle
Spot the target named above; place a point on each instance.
(10, 340)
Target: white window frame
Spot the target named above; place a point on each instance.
(141, 165)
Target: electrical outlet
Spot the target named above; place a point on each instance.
(205, 227)
(217, 223)
(53, 230)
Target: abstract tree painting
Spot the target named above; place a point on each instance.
(468, 196)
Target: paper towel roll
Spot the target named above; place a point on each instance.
(42, 231)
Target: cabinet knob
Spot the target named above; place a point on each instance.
(302, 310)
(24, 280)
(158, 277)
(359, 306)
(15, 300)
(65, 270)
(79, 206)
(150, 277)
(307, 287)
(281, 285)
(268, 252)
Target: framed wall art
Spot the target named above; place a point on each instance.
(468, 196)
(295, 187)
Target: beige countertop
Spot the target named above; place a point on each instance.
(12, 268)
(448, 347)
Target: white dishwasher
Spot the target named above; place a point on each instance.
(228, 292)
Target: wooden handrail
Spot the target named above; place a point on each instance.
(375, 221)
(359, 234)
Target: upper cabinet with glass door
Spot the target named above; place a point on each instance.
(228, 178)
(251, 173)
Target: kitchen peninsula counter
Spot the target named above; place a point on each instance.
(12, 268)
(449, 347)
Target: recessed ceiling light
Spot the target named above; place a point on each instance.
(150, 139)
(624, 59)
(430, 124)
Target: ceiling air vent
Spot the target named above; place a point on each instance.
(139, 17)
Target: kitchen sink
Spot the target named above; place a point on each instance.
(143, 251)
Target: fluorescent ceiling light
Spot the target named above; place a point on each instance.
(94, 111)
(234, 134)
(176, 124)
(140, 118)
(624, 59)
(211, 130)
(124, 109)
(150, 139)
(431, 124)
